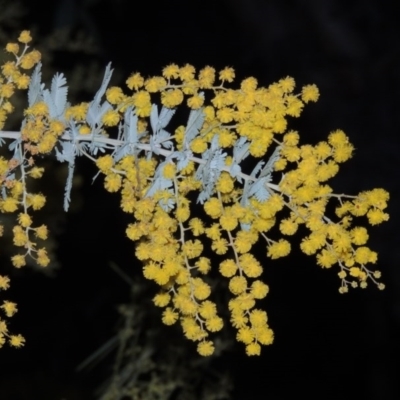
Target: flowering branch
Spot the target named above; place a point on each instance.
(154, 170)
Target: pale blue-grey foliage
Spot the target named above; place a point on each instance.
(160, 137)
(67, 154)
(15, 146)
(159, 182)
(257, 186)
(68, 185)
(195, 122)
(97, 110)
(36, 87)
(209, 172)
(56, 97)
(183, 158)
(160, 121)
(240, 152)
(159, 142)
(128, 135)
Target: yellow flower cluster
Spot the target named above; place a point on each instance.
(238, 210)
(12, 76)
(39, 135)
(307, 197)
(176, 263)
(9, 309)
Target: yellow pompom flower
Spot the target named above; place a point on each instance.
(112, 182)
(192, 248)
(79, 111)
(205, 348)
(224, 183)
(362, 255)
(258, 318)
(249, 85)
(36, 172)
(20, 238)
(141, 99)
(338, 138)
(172, 98)
(291, 138)
(326, 258)
(29, 60)
(213, 232)
(85, 130)
(9, 205)
(155, 84)
(343, 153)
(227, 74)
(12, 48)
(110, 118)
(114, 95)
(238, 284)
(243, 242)
(225, 115)
(279, 249)
(213, 207)
(226, 139)
(228, 268)
(202, 290)
(16, 340)
(182, 213)
(105, 163)
(41, 232)
(288, 227)
(253, 349)
(203, 265)
(359, 235)
(259, 289)
(25, 37)
(4, 282)
(42, 259)
(214, 324)
(24, 220)
(265, 335)
(245, 335)
(186, 73)
(238, 319)
(207, 309)
(6, 90)
(196, 225)
(228, 222)
(162, 299)
(135, 81)
(9, 69)
(198, 145)
(23, 81)
(9, 308)
(207, 77)
(251, 267)
(186, 305)
(309, 93)
(376, 216)
(18, 260)
(287, 84)
(220, 246)
(169, 171)
(171, 71)
(195, 102)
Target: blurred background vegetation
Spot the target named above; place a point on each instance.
(91, 329)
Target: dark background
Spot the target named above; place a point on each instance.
(326, 345)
